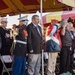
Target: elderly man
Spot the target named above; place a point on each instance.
(20, 49)
(66, 36)
(5, 38)
(73, 47)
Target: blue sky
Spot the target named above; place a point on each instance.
(13, 19)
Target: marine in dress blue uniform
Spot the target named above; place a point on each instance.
(20, 50)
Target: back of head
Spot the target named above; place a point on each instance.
(13, 26)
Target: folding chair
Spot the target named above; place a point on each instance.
(6, 59)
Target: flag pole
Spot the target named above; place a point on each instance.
(42, 29)
(19, 15)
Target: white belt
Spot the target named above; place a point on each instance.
(18, 41)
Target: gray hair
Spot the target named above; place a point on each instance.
(63, 21)
(70, 23)
(34, 16)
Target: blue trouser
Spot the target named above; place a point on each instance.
(19, 65)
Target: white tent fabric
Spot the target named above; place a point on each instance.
(68, 2)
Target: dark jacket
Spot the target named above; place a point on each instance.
(67, 39)
(52, 46)
(0, 42)
(21, 49)
(6, 41)
(34, 40)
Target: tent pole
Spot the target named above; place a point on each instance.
(42, 29)
(19, 15)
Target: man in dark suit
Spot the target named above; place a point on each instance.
(34, 46)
